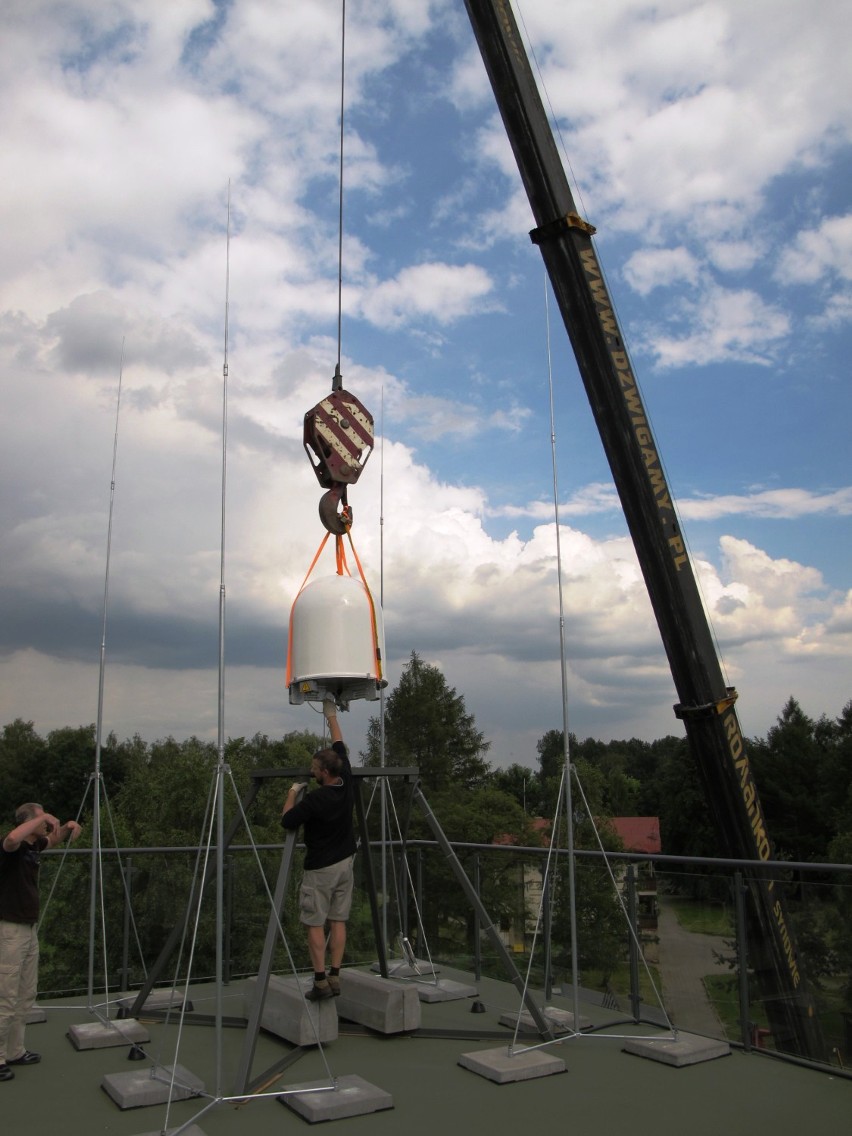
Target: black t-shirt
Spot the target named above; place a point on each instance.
(19, 882)
(326, 813)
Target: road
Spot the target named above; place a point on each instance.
(685, 959)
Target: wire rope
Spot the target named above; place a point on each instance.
(340, 193)
(565, 782)
(568, 768)
(203, 858)
(123, 876)
(413, 890)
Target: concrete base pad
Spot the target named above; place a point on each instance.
(559, 1020)
(499, 1066)
(353, 1096)
(35, 1014)
(683, 1049)
(138, 1087)
(445, 990)
(192, 1130)
(103, 1035)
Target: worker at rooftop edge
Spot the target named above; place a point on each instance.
(326, 891)
(34, 831)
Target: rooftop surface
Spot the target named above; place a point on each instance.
(604, 1089)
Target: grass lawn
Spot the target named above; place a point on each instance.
(703, 918)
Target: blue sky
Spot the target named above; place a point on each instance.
(709, 143)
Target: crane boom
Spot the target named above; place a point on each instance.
(706, 704)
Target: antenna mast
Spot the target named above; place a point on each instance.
(96, 804)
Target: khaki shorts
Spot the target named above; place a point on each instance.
(326, 893)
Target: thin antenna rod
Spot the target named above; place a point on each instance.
(384, 785)
(569, 808)
(96, 806)
(220, 772)
(221, 731)
(338, 382)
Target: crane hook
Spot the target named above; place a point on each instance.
(337, 523)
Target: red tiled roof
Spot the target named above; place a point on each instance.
(540, 825)
(638, 834)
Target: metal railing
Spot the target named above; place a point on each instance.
(663, 939)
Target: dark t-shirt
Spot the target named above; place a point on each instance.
(19, 882)
(326, 813)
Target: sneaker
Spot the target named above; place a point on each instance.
(26, 1058)
(320, 991)
(334, 983)
(6, 1073)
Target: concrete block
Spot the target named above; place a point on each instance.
(500, 1066)
(103, 1035)
(34, 1015)
(152, 1085)
(444, 990)
(288, 1015)
(408, 968)
(378, 1003)
(351, 1096)
(559, 1020)
(158, 1000)
(682, 1049)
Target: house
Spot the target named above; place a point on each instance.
(641, 834)
(637, 834)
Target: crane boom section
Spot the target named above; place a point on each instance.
(706, 704)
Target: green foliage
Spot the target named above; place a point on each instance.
(521, 784)
(803, 771)
(161, 794)
(704, 919)
(551, 755)
(22, 759)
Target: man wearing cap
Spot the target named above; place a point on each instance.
(34, 831)
(326, 892)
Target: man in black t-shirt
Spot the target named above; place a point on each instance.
(326, 891)
(34, 831)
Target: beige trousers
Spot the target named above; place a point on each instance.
(18, 984)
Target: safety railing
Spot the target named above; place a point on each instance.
(662, 939)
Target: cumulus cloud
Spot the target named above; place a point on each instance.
(725, 325)
(825, 251)
(652, 268)
(774, 503)
(442, 292)
(127, 127)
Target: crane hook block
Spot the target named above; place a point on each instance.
(338, 439)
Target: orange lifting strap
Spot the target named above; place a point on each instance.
(342, 569)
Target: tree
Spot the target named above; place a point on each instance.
(789, 768)
(551, 754)
(427, 726)
(520, 783)
(22, 762)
